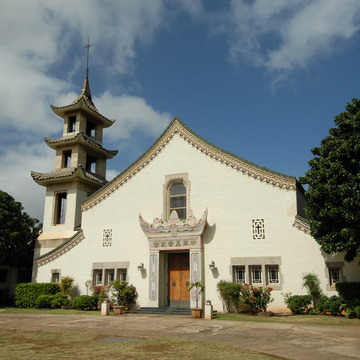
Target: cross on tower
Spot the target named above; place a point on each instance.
(87, 58)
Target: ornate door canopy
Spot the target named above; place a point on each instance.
(175, 234)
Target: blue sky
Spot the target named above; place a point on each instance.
(262, 79)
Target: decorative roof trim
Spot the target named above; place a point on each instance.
(61, 249)
(174, 226)
(177, 127)
(301, 224)
(80, 136)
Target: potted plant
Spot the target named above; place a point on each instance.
(123, 295)
(198, 288)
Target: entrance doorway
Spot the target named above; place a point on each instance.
(178, 279)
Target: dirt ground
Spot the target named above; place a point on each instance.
(292, 341)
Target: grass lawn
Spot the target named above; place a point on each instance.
(13, 310)
(293, 319)
(17, 344)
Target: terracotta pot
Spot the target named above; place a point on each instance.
(118, 310)
(196, 312)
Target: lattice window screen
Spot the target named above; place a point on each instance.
(107, 237)
(258, 228)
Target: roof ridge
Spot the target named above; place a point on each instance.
(176, 126)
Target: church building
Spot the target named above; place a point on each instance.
(184, 211)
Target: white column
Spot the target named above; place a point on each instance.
(154, 279)
(196, 274)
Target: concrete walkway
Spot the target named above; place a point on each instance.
(290, 341)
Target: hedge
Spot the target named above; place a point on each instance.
(348, 290)
(26, 294)
(44, 301)
(298, 303)
(85, 302)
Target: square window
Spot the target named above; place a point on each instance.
(121, 275)
(273, 274)
(240, 274)
(109, 276)
(98, 277)
(55, 277)
(334, 274)
(256, 274)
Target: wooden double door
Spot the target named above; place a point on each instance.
(178, 279)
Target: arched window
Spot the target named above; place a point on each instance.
(177, 193)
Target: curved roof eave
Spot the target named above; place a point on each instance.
(176, 126)
(67, 174)
(82, 104)
(83, 139)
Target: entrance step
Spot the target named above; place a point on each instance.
(163, 310)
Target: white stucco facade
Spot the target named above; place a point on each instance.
(251, 221)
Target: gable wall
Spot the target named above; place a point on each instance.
(233, 200)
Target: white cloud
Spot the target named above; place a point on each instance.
(193, 7)
(39, 34)
(111, 173)
(131, 113)
(17, 162)
(283, 35)
(26, 95)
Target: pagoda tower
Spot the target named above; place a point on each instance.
(80, 168)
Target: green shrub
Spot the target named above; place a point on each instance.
(244, 296)
(353, 311)
(350, 292)
(323, 303)
(298, 303)
(314, 311)
(123, 293)
(85, 302)
(257, 299)
(230, 294)
(60, 300)
(335, 305)
(66, 285)
(44, 301)
(26, 294)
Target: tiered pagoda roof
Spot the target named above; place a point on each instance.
(80, 138)
(84, 101)
(68, 174)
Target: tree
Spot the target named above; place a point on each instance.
(333, 196)
(18, 232)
